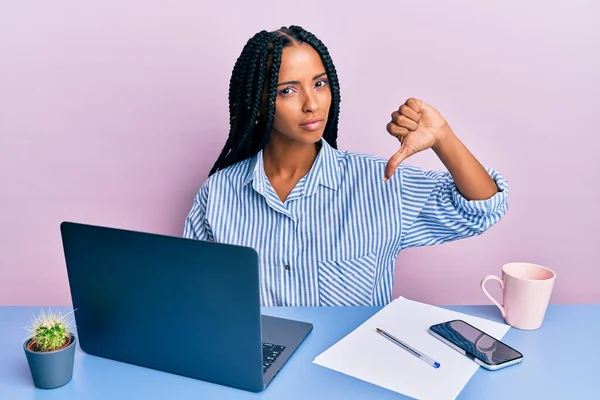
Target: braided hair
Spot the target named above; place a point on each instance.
(257, 66)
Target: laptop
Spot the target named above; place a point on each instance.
(177, 305)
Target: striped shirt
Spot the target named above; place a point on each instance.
(336, 237)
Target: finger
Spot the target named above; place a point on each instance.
(395, 161)
(396, 130)
(404, 121)
(414, 104)
(409, 112)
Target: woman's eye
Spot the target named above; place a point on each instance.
(322, 82)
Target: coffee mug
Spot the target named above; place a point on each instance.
(526, 290)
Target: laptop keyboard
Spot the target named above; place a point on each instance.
(270, 353)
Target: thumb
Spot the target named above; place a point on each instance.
(395, 161)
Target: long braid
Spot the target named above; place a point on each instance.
(272, 94)
(248, 135)
(235, 88)
(254, 131)
(250, 95)
(240, 98)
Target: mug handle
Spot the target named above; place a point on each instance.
(493, 277)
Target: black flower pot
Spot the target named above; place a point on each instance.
(51, 369)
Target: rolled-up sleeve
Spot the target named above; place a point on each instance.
(435, 212)
(195, 226)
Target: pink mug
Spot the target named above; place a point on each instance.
(526, 290)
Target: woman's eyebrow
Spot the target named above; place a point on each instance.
(297, 82)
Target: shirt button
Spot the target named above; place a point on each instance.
(288, 267)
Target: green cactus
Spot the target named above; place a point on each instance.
(49, 332)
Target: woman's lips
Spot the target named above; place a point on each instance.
(312, 125)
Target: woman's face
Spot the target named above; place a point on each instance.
(303, 96)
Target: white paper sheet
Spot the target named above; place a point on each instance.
(368, 356)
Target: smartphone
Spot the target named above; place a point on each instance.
(485, 350)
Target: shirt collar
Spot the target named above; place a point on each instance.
(324, 171)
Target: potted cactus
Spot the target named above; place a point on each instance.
(50, 350)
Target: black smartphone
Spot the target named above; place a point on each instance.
(482, 348)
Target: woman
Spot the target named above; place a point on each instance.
(329, 224)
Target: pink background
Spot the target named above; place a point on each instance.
(113, 112)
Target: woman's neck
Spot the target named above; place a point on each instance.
(288, 160)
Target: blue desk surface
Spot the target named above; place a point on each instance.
(560, 362)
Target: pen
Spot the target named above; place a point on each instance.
(406, 347)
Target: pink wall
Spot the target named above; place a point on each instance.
(113, 114)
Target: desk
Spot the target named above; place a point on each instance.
(551, 369)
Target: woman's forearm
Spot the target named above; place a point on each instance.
(471, 179)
